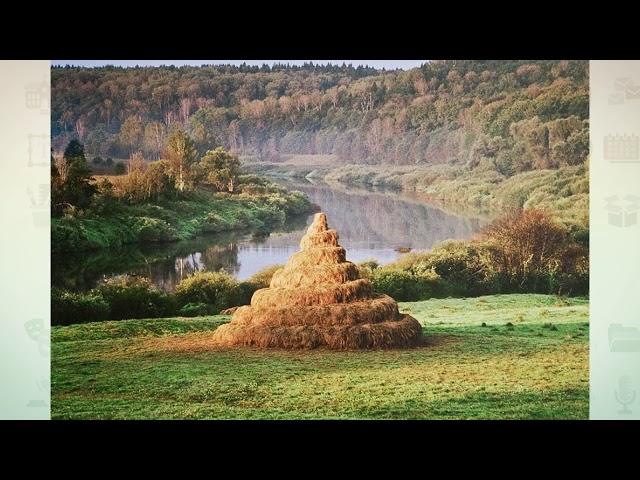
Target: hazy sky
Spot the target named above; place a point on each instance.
(388, 64)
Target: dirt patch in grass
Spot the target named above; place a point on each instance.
(202, 342)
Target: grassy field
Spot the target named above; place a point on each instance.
(494, 357)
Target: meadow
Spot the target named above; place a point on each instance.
(518, 356)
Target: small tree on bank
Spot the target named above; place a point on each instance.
(181, 155)
(219, 169)
(71, 179)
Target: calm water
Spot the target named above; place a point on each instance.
(372, 225)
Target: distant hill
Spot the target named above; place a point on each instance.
(511, 116)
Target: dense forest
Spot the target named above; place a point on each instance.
(514, 116)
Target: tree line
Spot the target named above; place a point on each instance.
(510, 115)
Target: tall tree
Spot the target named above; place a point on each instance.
(219, 169)
(181, 154)
(77, 188)
(131, 132)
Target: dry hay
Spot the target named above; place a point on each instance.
(374, 310)
(319, 300)
(319, 295)
(315, 275)
(402, 332)
(317, 256)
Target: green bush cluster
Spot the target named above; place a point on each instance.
(148, 229)
(115, 298)
(195, 310)
(134, 297)
(406, 286)
(463, 266)
(125, 297)
(69, 307)
(217, 290)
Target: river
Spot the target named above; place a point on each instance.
(372, 224)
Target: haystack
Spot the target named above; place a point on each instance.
(319, 300)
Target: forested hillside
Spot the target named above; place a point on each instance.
(511, 116)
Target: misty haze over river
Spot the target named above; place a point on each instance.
(372, 224)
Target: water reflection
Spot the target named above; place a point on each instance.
(372, 225)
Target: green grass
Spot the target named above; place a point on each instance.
(529, 361)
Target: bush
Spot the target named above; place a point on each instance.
(65, 235)
(149, 229)
(245, 291)
(262, 279)
(214, 223)
(296, 203)
(532, 253)
(119, 169)
(134, 297)
(270, 214)
(367, 267)
(406, 286)
(195, 310)
(218, 290)
(464, 266)
(69, 307)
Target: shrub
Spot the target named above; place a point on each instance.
(464, 266)
(134, 297)
(296, 203)
(245, 291)
(242, 218)
(270, 215)
(195, 310)
(119, 169)
(218, 290)
(214, 223)
(149, 229)
(262, 279)
(69, 307)
(406, 286)
(530, 252)
(65, 235)
(367, 267)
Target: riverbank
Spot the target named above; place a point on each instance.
(170, 220)
(563, 192)
(492, 357)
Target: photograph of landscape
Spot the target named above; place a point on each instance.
(320, 240)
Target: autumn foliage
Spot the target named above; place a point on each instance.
(529, 250)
